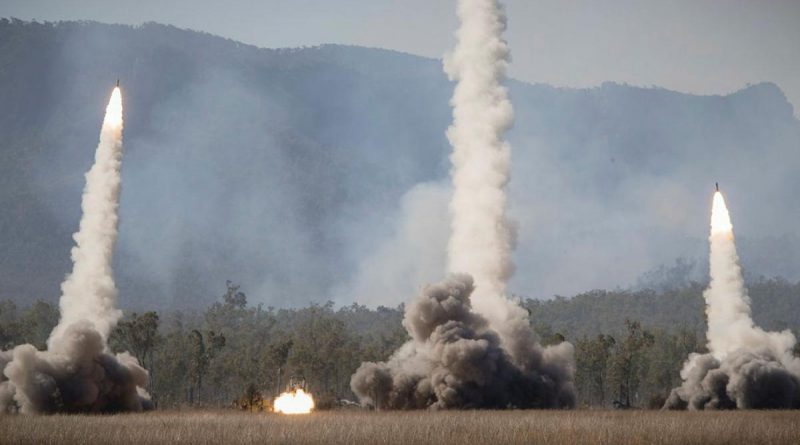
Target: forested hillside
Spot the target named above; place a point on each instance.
(775, 304)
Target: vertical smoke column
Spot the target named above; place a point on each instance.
(77, 373)
(89, 293)
(730, 325)
(725, 297)
(746, 367)
(482, 237)
(470, 346)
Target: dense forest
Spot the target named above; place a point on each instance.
(630, 345)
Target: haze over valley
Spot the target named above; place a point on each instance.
(321, 173)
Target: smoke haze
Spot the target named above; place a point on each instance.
(295, 172)
(454, 360)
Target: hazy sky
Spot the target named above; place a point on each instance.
(698, 46)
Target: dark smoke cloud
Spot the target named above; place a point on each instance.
(743, 379)
(454, 360)
(81, 378)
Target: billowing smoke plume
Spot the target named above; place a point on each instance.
(471, 347)
(746, 367)
(77, 373)
(454, 360)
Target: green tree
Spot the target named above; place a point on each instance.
(278, 354)
(172, 385)
(628, 362)
(203, 351)
(664, 361)
(233, 296)
(10, 329)
(592, 358)
(38, 322)
(138, 334)
(324, 352)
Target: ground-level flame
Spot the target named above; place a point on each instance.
(294, 402)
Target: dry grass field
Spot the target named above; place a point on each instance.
(455, 427)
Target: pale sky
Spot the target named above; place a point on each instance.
(697, 46)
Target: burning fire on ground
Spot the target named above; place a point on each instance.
(296, 401)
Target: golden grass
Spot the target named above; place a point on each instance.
(454, 427)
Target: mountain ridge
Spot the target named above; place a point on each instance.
(763, 85)
(282, 169)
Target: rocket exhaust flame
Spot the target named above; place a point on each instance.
(720, 217)
(472, 347)
(746, 367)
(294, 402)
(77, 373)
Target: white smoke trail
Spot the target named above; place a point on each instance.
(730, 325)
(89, 293)
(483, 237)
(746, 367)
(77, 373)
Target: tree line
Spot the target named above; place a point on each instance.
(236, 353)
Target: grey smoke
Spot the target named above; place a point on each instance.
(304, 194)
(471, 346)
(454, 360)
(746, 367)
(744, 379)
(82, 377)
(77, 373)
(414, 252)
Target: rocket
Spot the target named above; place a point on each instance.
(716, 183)
(117, 83)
